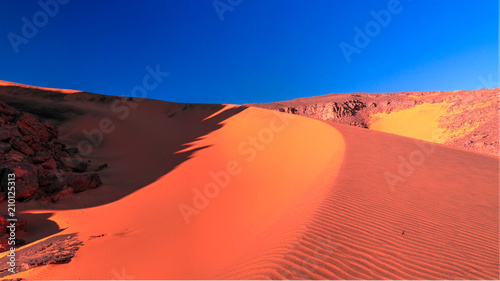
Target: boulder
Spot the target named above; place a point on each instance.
(62, 194)
(6, 110)
(26, 179)
(47, 177)
(41, 157)
(30, 125)
(4, 147)
(21, 146)
(27, 138)
(50, 164)
(13, 156)
(74, 165)
(78, 183)
(4, 134)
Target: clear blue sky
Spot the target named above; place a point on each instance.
(261, 51)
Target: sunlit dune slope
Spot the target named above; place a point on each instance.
(230, 192)
(251, 188)
(399, 209)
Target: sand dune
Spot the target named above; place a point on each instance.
(419, 122)
(447, 208)
(251, 191)
(230, 192)
(12, 84)
(460, 119)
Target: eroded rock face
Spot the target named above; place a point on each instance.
(26, 182)
(332, 111)
(44, 168)
(472, 120)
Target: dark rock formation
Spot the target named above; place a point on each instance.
(342, 112)
(44, 168)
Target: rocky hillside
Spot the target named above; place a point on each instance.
(469, 122)
(45, 169)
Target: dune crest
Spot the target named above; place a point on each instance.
(461, 119)
(203, 191)
(12, 84)
(242, 190)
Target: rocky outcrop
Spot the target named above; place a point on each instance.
(44, 168)
(472, 121)
(55, 250)
(343, 112)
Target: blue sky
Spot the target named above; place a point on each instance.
(242, 51)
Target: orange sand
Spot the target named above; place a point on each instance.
(310, 200)
(147, 234)
(419, 122)
(447, 208)
(65, 91)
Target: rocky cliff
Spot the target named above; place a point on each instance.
(470, 122)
